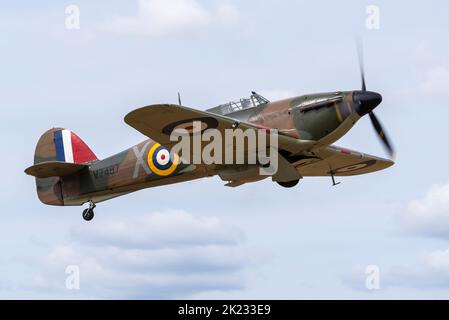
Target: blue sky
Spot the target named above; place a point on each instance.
(201, 239)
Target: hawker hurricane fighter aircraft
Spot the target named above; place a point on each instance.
(68, 173)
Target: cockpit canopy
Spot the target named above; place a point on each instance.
(246, 103)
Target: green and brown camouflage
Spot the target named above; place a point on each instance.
(307, 125)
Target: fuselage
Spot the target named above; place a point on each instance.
(323, 117)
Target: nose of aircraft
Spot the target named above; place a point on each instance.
(366, 101)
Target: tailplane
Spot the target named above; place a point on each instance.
(59, 152)
(54, 169)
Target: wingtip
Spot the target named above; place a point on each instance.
(27, 171)
(134, 112)
(389, 163)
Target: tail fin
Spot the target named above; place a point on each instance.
(59, 145)
(70, 148)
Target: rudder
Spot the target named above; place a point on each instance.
(59, 144)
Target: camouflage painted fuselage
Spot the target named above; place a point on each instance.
(323, 118)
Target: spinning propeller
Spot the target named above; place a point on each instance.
(367, 101)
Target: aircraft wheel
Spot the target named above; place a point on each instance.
(88, 214)
(288, 184)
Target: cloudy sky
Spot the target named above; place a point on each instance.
(201, 239)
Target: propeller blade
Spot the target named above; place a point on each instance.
(361, 62)
(381, 133)
(374, 121)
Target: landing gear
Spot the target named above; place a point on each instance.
(88, 214)
(333, 181)
(289, 184)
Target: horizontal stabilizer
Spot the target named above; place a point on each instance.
(54, 169)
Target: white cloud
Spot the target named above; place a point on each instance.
(162, 255)
(429, 216)
(162, 17)
(436, 82)
(439, 260)
(227, 13)
(431, 270)
(167, 229)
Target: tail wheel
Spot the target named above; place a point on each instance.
(88, 214)
(288, 184)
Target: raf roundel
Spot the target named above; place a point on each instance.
(160, 160)
(355, 167)
(192, 126)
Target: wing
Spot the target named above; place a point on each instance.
(158, 122)
(340, 162)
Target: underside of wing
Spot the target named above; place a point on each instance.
(338, 161)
